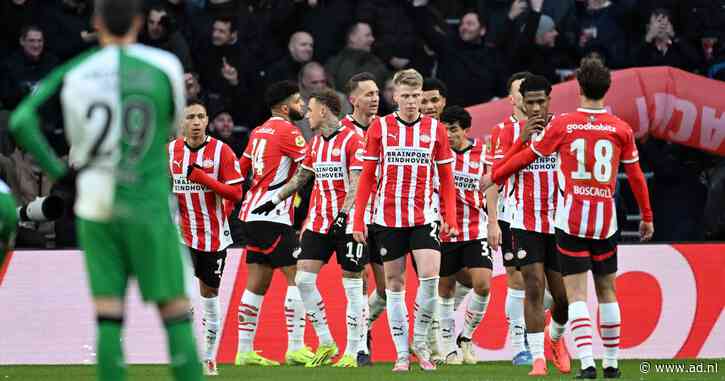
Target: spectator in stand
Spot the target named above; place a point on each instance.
(356, 57)
(662, 47)
(472, 71)
(16, 15)
(301, 49)
(226, 69)
(222, 127)
(68, 28)
(396, 42)
(312, 78)
(178, 10)
(327, 22)
(387, 101)
(26, 67)
(161, 32)
(602, 28)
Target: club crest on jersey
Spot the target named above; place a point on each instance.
(336, 152)
(300, 141)
(208, 163)
(425, 138)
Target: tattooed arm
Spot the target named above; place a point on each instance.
(301, 177)
(350, 197)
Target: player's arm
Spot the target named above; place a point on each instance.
(340, 224)
(8, 221)
(638, 184)
(493, 230)
(300, 178)
(229, 187)
(366, 183)
(448, 198)
(25, 124)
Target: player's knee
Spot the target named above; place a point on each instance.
(175, 307)
(394, 282)
(481, 287)
(446, 287)
(109, 307)
(514, 279)
(208, 291)
(352, 275)
(305, 281)
(605, 288)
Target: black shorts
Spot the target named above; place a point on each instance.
(270, 243)
(208, 265)
(578, 255)
(507, 247)
(533, 247)
(394, 243)
(351, 256)
(468, 254)
(373, 252)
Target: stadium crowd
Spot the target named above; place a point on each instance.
(232, 50)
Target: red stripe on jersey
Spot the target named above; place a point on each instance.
(348, 121)
(468, 168)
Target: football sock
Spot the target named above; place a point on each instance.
(111, 365)
(556, 330)
(315, 307)
(448, 325)
(460, 294)
(536, 344)
(398, 322)
(210, 321)
(609, 326)
(294, 312)
(353, 291)
(185, 364)
(474, 314)
(247, 320)
(515, 315)
(363, 340)
(548, 299)
(425, 302)
(376, 302)
(581, 328)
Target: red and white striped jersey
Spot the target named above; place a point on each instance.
(407, 153)
(274, 149)
(496, 151)
(590, 145)
(534, 189)
(349, 122)
(468, 168)
(331, 159)
(200, 216)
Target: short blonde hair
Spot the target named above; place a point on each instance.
(408, 77)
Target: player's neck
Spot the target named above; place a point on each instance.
(363, 119)
(465, 143)
(195, 142)
(592, 104)
(409, 117)
(105, 39)
(329, 127)
(278, 114)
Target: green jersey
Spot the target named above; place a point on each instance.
(120, 105)
(8, 219)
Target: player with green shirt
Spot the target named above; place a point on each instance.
(120, 105)
(8, 221)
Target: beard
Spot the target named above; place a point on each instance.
(295, 115)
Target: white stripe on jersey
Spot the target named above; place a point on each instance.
(189, 204)
(585, 217)
(218, 212)
(413, 175)
(202, 203)
(177, 215)
(536, 176)
(599, 219)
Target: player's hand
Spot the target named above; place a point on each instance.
(646, 230)
(486, 182)
(360, 237)
(449, 230)
(517, 8)
(265, 208)
(534, 125)
(494, 235)
(339, 225)
(191, 171)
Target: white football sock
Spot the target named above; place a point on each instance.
(363, 346)
(376, 303)
(610, 320)
(548, 299)
(210, 319)
(474, 314)
(315, 307)
(353, 291)
(515, 315)
(294, 311)
(425, 301)
(398, 322)
(536, 344)
(459, 294)
(581, 329)
(556, 330)
(247, 324)
(448, 325)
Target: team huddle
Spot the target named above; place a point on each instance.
(412, 182)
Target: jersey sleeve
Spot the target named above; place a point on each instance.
(504, 140)
(442, 152)
(230, 170)
(491, 147)
(293, 145)
(372, 143)
(354, 153)
(309, 160)
(548, 141)
(629, 148)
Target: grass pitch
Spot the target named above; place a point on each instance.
(631, 370)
